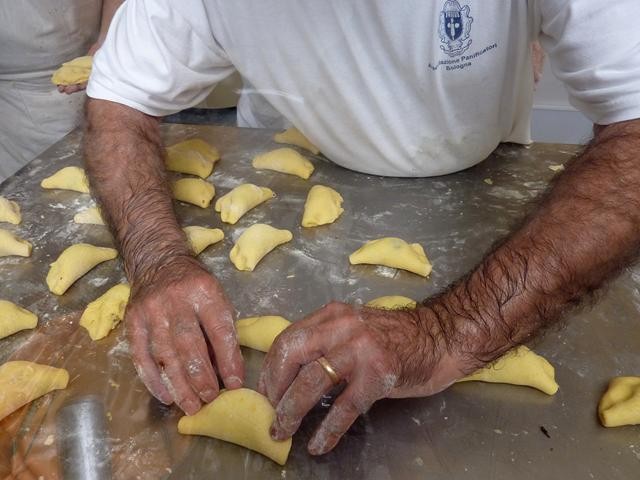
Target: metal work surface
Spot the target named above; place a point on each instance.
(471, 431)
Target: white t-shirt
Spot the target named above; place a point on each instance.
(411, 88)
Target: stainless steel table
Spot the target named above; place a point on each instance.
(471, 431)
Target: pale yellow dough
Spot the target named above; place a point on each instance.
(323, 206)
(14, 318)
(240, 416)
(395, 253)
(293, 136)
(260, 332)
(75, 262)
(240, 200)
(284, 160)
(73, 72)
(23, 382)
(106, 312)
(91, 216)
(519, 366)
(194, 190)
(13, 245)
(201, 237)
(254, 243)
(392, 302)
(620, 405)
(194, 156)
(9, 211)
(67, 178)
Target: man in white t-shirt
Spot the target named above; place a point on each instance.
(413, 88)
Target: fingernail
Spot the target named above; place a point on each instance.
(232, 382)
(275, 433)
(315, 447)
(191, 407)
(208, 395)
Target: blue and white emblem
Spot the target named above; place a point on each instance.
(455, 28)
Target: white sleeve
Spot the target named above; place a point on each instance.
(156, 60)
(594, 48)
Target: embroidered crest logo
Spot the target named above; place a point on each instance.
(455, 28)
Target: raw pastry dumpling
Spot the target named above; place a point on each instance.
(73, 263)
(240, 200)
(14, 318)
(75, 71)
(67, 178)
(284, 160)
(392, 302)
(91, 215)
(12, 245)
(519, 366)
(240, 416)
(293, 136)
(620, 405)
(23, 382)
(194, 156)
(254, 243)
(260, 332)
(9, 211)
(106, 312)
(323, 205)
(201, 237)
(395, 253)
(194, 190)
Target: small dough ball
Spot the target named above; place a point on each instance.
(73, 72)
(9, 211)
(240, 200)
(284, 160)
(75, 262)
(395, 253)
(14, 318)
(201, 237)
(392, 302)
(293, 136)
(67, 178)
(106, 312)
(254, 243)
(194, 190)
(194, 156)
(91, 216)
(323, 206)
(260, 332)
(620, 405)
(13, 245)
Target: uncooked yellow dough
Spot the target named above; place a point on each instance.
(73, 72)
(9, 211)
(240, 416)
(14, 318)
(12, 245)
(284, 160)
(293, 136)
(194, 190)
(392, 302)
(91, 215)
(73, 263)
(23, 382)
(106, 312)
(260, 332)
(323, 206)
(254, 243)
(240, 200)
(393, 252)
(68, 178)
(201, 237)
(620, 405)
(519, 366)
(194, 156)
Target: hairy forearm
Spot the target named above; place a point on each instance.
(109, 8)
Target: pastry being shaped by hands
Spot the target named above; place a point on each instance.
(240, 416)
(201, 237)
(323, 206)
(106, 312)
(75, 262)
(13, 245)
(620, 405)
(293, 136)
(284, 160)
(254, 243)
(395, 253)
(91, 216)
(23, 382)
(9, 211)
(392, 302)
(67, 178)
(240, 200)
(260, 332)
(14, 318)
(194, 190)
(519, 366)
(194, 156)
(73, 72)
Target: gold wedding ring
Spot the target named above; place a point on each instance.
(326, 366)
